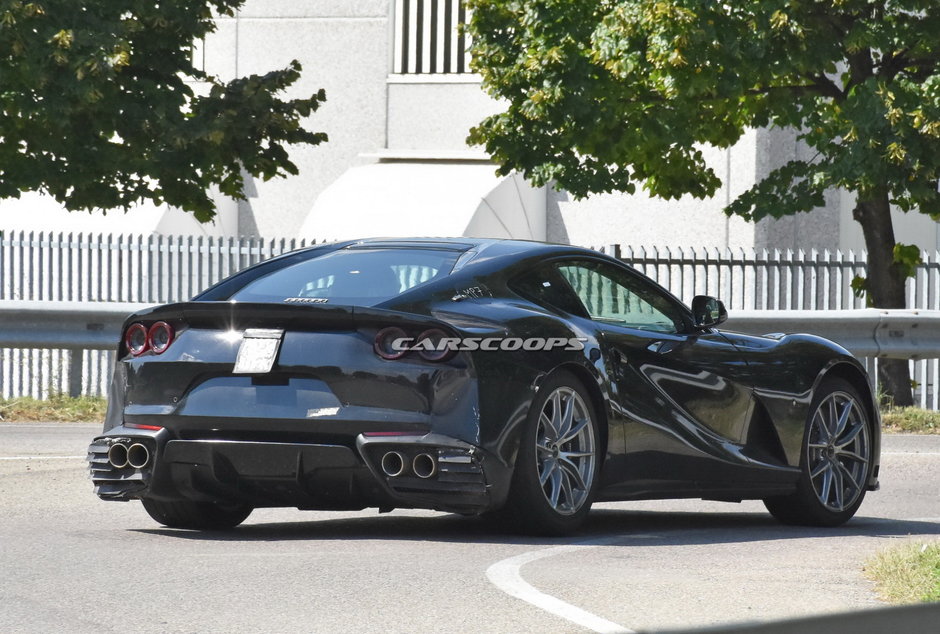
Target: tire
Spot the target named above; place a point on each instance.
(835, 460)
(196, 515)
(554, 481)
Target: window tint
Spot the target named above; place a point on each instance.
(547, 288)
(360, 277)
(614, 296)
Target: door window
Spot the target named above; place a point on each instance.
(614, 296)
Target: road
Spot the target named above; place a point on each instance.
(69, 562)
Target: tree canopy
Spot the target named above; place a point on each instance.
(606, 95)
(610, 95)
(99, 108)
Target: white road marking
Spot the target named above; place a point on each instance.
(506, 576)
(43, 457)
(910, 453)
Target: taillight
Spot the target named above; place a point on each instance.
(385, 343)
(135, 339)
(434, 349)
(160, 337)
(393, 343)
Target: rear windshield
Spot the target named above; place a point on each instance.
(363, 277)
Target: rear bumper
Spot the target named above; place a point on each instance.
(302, 475)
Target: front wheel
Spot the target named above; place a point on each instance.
(196, 515)
(558, 462)
(835, 462)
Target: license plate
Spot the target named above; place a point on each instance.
(258, 351)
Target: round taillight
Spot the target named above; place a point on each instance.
(434, 349)
(389, 343)
(160, 337)
(135, 339)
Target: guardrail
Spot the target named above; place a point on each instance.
(75, 327)
(63, 325)
(69, 333)
(867, 332)
(870, 332)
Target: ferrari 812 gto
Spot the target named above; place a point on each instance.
(519, 379)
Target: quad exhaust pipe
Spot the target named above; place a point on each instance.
(424, 465)
(136, 456)
(117, 455)
(394, 464)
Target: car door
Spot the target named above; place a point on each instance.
(680, 392)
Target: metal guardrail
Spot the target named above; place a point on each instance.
(899, 334)
(63, 325)
(70, 326)
(868, 332)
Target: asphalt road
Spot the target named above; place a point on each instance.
(69, 562)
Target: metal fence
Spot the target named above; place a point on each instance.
(106, 268)
(428, 38)
(159, 269)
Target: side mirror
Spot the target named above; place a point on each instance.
(708, 311)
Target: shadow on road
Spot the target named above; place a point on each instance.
(658, 528)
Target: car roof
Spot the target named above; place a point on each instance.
(504, 245)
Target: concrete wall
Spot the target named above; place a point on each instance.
(433, 114)
(344, 48)
(638, 219)
(818, 229)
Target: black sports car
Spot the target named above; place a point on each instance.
(522, 379)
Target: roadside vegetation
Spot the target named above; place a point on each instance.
(909, 573)
(61, 408)
(58, 408)
(910, 420)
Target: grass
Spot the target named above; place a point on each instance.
(57, 408)
(910, 420)
(61, 408)
(909, 573)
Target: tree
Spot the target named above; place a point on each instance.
(607, 95)
(99, 111)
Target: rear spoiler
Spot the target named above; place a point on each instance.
(241, 315)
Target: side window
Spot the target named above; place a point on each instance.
(613, 296)
(546, 287)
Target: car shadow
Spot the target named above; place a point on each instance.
(603, 527)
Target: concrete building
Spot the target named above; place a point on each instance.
(400, 103)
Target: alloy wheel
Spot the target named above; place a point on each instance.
(565, 451)
(838, 451)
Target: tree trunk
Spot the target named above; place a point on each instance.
(885, 285)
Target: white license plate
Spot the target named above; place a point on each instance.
(258, 351)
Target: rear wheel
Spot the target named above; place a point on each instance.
(196, 515)
(556, 469)
(835, 461)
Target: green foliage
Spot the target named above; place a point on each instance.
(610, 95)
(859, 284)
(907, 256)
(102, 106)
(57, 408)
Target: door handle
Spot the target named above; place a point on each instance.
(662, 347)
